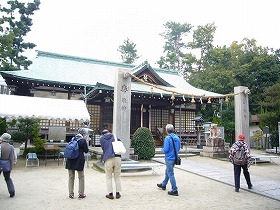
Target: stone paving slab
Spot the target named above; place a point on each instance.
(261, 185)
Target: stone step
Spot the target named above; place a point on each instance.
(180, 155)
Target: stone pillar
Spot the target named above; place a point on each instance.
(241, 109)
(122, 109)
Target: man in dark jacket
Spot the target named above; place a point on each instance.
(8, 159)
(78, 165)
(112, 164)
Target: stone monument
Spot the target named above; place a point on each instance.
(122, 109)
(215, 144)
(241, 110)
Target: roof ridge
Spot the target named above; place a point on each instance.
(97, 61)
(83, 59)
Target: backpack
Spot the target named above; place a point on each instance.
(72, 149)
(239, 156)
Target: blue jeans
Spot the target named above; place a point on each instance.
(169, 175)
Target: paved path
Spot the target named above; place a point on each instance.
(222, 171)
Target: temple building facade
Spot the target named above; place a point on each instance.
(158, 96)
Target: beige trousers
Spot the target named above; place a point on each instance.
(113, 166)
(71, 181)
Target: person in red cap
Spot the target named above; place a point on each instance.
(239, 157)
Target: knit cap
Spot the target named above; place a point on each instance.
(5, 137)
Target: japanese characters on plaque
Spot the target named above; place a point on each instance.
(124, 90)
(245, 108)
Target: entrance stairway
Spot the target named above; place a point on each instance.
(184, 152)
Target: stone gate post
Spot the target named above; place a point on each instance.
(241, 109)
(122, 109)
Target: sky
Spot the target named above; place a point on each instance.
(96, 28)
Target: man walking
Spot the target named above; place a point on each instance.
(8, 159)
(242, 162)
(171, 142)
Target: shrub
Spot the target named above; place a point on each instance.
(257, 137)
(143, 143)
(38, 147)
(39, 144)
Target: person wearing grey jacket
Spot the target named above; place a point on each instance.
(8, 159)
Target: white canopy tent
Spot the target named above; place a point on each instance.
(12, 106)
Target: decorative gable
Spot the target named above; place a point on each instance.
(146, 73)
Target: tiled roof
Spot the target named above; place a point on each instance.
(51, 67)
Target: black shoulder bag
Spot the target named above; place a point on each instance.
(177, 158)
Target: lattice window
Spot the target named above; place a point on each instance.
(108, 115)
(187, 123)
(159, 119)
(71, 126)
(94, 111)
(46, 123)
(74, 125)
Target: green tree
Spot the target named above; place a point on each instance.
(257, 69)
(3, 125)
(15, 23)
(227, 121)
(202, 39)
(6, 49)
(221, 113)
(219, 81)
(271, 107)
(30, 127)
(218, 74)
(128, 51)
(274, 138)
(175, 48)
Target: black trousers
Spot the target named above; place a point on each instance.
(237, 171)
(9, 181)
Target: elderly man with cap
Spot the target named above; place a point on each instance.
(78, 164)
(112, 163)
(242, 148)
(8, 158)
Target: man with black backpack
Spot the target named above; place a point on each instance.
(239, 157)
(77, 163)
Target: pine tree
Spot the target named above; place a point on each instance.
(15, 24)
(128, 51)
